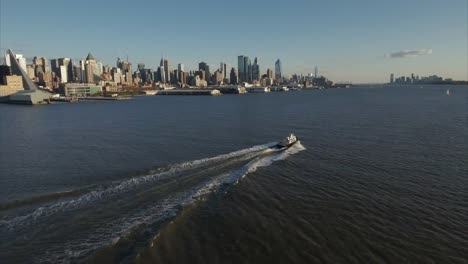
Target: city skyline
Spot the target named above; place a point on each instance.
(346, 48)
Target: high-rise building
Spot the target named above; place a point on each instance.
(63, 68)
(316, 72)
(255, 71)
(5, 70)
(240, 68)
(233, 76)
(223, 69)
(90, 69)
(247, 69)
(166, 70)
(278, 70)
(392, 78)
(162, 74)
(19, 58)
(270, 73)
(181, 67)
(202, 66)
(31, 73)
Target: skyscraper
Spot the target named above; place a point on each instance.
(255, 70)
(270, 73)
(392, 78)
(167, 70)
(202, 66)
(181, 67)
(90, 69)
(233, 76)
(278, 70)
(223, 69)
(63, 68)
(19, 58)
(247, 69)
(240, 68)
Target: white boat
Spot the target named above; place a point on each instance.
(448, 92)
(286, 143)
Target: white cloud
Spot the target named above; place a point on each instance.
(410, 53)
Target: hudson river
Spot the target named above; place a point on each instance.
(380, 176)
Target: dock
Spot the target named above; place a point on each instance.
(104, 98)
(189, 92)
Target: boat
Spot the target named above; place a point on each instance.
(286, 143)
(448, 92)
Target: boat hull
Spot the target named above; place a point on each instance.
(282, 145)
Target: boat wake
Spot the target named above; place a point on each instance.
(77, 226)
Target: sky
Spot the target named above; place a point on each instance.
(360, 41)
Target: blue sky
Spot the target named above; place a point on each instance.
(347, 40)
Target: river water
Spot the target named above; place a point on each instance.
(379, 175)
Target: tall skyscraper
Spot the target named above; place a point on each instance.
(63, 68)
(167, 70)
(181, 67)
(278, 70)
(233, 76)
(247, 69)
(255, 70)
(392, 78)
(90, 69)
(202, 66)
(316, 72)
(240, 68)
(270, 73)
(223, 69)
(19, 58)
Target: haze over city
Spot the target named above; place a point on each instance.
(359, 41)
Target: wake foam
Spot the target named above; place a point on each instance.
(121, 187)
(157, 211)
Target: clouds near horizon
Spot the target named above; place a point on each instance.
(410, 53)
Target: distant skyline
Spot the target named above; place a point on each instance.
(360, 41)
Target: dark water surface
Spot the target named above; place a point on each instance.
(380, 175)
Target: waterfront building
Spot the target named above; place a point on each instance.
(5, 70)
(17, 69)
(257, 89)
(189, 92)
(80, 89)
(10, 84)
(392, 78)
(278, 70)
(29, 97)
